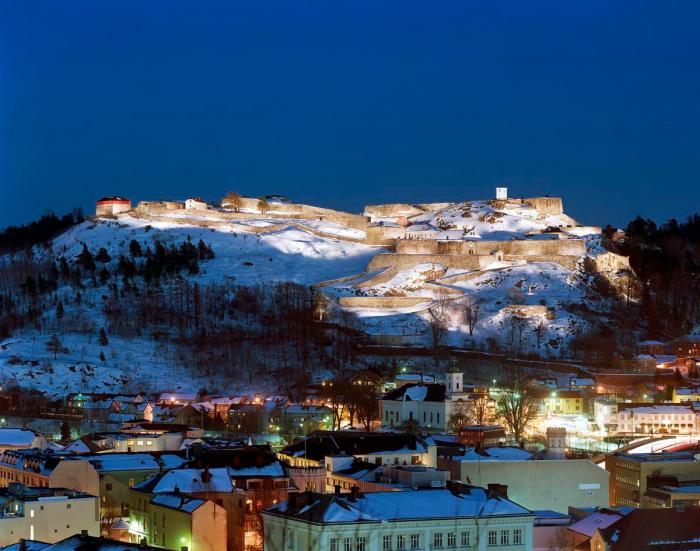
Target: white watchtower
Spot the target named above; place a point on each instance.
(502, 193)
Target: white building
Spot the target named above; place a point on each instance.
(428, 405)
(463, 517)
(45, 514)
(655, 419)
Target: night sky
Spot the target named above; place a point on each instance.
(342, 104)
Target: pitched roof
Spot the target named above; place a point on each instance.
(468, 502)
(17, 437)
(655, 529)
(320, 444)
(417, 392)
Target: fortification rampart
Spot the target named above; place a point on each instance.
(381, 277)
(384, 235)
(527, 310)
(277, 210)
(393, 210)
(382, 302)
(404, 261)
(546, 205)
(565, 261)
(289, 210)
(523, 247)
(237, 227)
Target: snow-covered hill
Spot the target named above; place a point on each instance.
(261, 250)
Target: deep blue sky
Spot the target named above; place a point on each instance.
(346, 103)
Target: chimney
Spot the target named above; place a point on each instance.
(84, 533)
(498, 489)
(354, 493)
(337, 489)
(22, 544)
(206, 475)
(292, 500)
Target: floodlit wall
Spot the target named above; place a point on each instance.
(546, 205)
(522, 247)
(393, 210)
(403, 261)
(382, 302)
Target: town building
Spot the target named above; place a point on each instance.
(681, 395)
(688, 345)
(578, 482)
(465, 517)
(15, 439)
(656, 419)
(630, 474)
(651, 530)
(178, 521)
(482, 436)
(82, 541)
(371, 447)
(563, 402)
(430, 405)
(44, 514)
(346, 472)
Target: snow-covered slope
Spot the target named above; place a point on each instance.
(242, 258)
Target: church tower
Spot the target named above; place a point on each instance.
(454, 383)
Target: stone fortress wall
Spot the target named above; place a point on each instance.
(473, 257)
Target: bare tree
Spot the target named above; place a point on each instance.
(438, 321)
(480, 410)
(461, 416)
(233, 200)
(54, 345)
(540, 330)
(471, 308)
(517, 405)
(263, 205)
(320, 305)
(367, 407)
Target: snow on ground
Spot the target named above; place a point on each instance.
(286, 255)
(482, 220)
(246, 258)
(25, 360)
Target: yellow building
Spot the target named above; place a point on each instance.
(563, 402)
(686, 395)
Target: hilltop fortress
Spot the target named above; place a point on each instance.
(465, 238)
